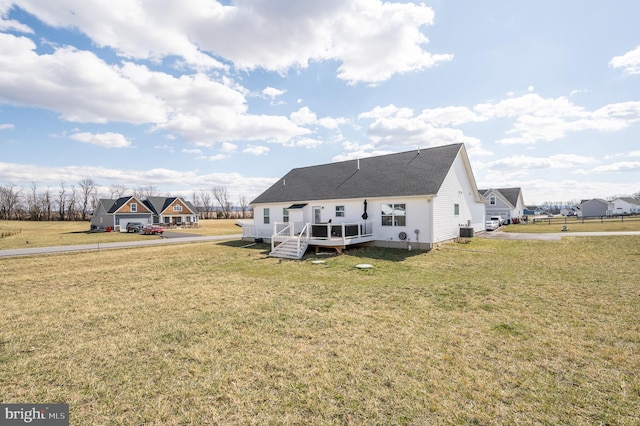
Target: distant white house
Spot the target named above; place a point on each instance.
(596, 207)
(626, 205)
(505, 202)
(416, 198)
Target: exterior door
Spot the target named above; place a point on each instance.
(317, 214)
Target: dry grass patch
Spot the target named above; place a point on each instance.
(482, 333)
(576, 225)
(25, 234)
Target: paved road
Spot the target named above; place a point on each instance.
(553, 236)
(168, 238)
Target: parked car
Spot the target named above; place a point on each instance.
(491, 225)
(152, 230)
(134, 227)
(498, 219)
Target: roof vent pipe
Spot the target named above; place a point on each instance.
(284, 182)
(358, 160)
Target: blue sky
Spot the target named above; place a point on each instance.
(187, 96)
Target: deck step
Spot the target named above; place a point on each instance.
(289, 250)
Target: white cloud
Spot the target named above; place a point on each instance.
(106, 140)
(522, 162)
(332, 123)
(272, 92)
(228, 147)
(622, 166)
(393, 126)
(303, 116)
(373, 40)
(6, 126)
(630, 61)
(256, 150)
(83, 88)
(140, 30)
(218, 157)
(548, 119)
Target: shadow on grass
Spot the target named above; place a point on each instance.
(382, 253)
(377, 253)
(262, 247)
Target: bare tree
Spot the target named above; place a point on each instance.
(34, 206)
(9, 201)
(87, 186)
(221, 195)
(205, 202)
(72, 204)
(244, 204)
(118, 191)
(95, 199)
(47, 203)
(145, 192)
(62, 201)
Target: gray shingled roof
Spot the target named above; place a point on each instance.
(418, 172)
(510, 194)
(160, 204)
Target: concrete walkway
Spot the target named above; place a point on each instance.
(109, 246)
(552, 236)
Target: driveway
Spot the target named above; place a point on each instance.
(552, 236)
(168, 238)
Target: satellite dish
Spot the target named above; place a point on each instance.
(402, 236)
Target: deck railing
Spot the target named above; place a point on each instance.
(285, 231)
(328, 231)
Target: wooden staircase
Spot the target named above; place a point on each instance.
(290, 249)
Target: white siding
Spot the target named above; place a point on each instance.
(456, 189)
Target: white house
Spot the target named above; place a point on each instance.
(596, 207)
(416, 198)
(626, 205)
(505, 202)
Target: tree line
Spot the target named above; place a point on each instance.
(78, 201)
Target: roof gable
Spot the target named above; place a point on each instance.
(629, 200)
(123, 205)
(159, 205)
(509, 195)
(418, 172)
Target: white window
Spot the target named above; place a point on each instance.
(134, 207)
(339, 211)
(492, 200)
(394, 215)
(285, 215)
(265, 215)
(456, 209)
(177, 208)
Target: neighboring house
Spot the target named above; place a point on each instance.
(532, 211)
(116, 214)
(596, 207)
(626, 205)
(172, 211)
(505, 202)
(409, 199)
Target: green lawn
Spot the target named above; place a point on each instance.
(489, 332)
